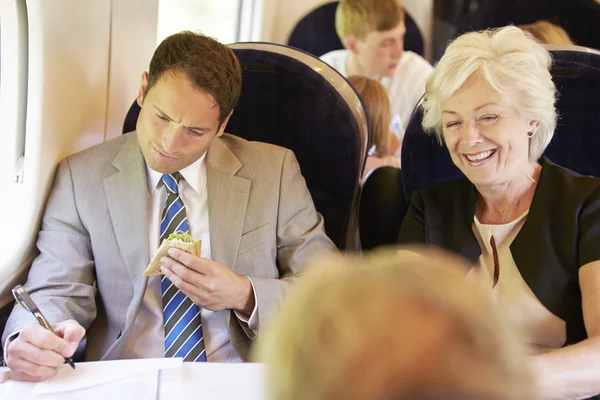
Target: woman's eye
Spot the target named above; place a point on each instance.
(489, 118)
(451, 124)
(161, 117)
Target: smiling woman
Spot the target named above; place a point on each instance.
(529, 227)
(477, 126)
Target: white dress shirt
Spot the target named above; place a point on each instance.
(405, 87)
(148, 333)
(539, 328)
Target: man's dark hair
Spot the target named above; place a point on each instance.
(210, 65)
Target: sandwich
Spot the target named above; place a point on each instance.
(179, 240)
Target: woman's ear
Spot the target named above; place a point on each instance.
(534, 125)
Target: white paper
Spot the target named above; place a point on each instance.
(213, 381)
(89, 374)
(10, 389)
(142, 386)
(5, 390)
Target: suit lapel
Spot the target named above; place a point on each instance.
(227, 202)
(535, 266)
(470, 248)
(127, 198)
(453, 228)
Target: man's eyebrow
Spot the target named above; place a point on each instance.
(191, 128)
(198, 128)
(161, 111)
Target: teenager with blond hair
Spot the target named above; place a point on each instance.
(372, 32)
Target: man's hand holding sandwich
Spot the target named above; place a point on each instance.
(208, 284)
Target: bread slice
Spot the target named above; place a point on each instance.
(153, 267)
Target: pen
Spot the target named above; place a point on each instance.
(27, 303)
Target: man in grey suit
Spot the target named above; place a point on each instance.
(111, 204)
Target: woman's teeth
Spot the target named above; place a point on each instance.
(479, 156)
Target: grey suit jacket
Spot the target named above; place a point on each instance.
(93, 242)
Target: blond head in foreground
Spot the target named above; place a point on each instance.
(391, 326)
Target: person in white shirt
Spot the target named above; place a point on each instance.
(112, 204)
(372, 32)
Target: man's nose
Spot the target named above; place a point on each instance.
(171, 139)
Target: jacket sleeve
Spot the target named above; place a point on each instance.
(589, 230)
(300, 237)
(413, 226)
(61, 278)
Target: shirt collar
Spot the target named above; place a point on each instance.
(194, 174)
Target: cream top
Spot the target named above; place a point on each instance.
(497, 272)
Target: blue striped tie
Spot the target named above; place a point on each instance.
(183, 328)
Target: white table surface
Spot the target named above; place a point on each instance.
(206, 381)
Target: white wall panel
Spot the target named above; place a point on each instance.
(66, 111)
(132, 40)
(85, 62)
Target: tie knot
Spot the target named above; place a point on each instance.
(171, 181)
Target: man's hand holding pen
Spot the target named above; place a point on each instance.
(36, 354)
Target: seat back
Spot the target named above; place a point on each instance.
(576, 142)
(293, 99)
(381, 208)
(315, 32)
(131, 117)
(580, 18)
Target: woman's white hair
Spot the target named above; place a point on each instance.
(513, 63)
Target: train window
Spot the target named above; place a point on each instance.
(13, 97)
(221, 19)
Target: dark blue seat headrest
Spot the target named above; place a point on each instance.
(576, 141)
(315, 32)
(382, 207)
(131, 117)
(580, 18)
(292, 99)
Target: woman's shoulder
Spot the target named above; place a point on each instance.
(563, 191)
(447, 194)
(556, 177)
(444, 187)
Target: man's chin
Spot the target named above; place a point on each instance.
(162, 167)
